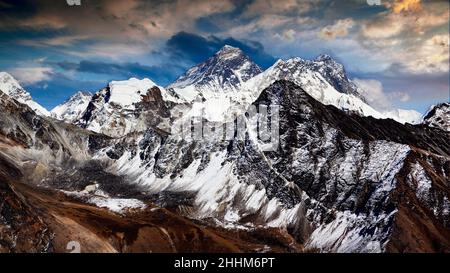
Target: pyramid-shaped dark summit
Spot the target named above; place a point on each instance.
(226, 70)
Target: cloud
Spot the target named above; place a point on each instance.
(114, 20)
(400, 96)
(406, 6)
(339, 29)
(411, 36)
(289, 35)
(427, 56)
(373, 91)
(387, 25)
(193, 49)
(377, 97)
(384, 27)
(60, 88)
(161, 74)
(297, 7)
(65, 40)
(267, 24)
(432, 56)
(111, 51)
(32, 75)
(423, 89)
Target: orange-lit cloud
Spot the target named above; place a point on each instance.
(406, 6)
(339, 29)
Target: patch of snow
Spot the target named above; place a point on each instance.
(346, 234)
(117, 205)
(423, 182)
(404, 116)
(126, 93)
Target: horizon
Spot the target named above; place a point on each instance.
(397, 50)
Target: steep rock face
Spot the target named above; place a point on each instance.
(334, 73)
(21, 229)
(11, 87)
(57, 187)
(73, 108)
(421, 223)
(438, 116)
(353, 166)
(326, 81)
(337, 182)
(126, 106)
(21, 125)
(307, 74)
(222, 73)
(331, 183)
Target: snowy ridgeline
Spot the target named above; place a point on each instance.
(224, 84)
(11, 87)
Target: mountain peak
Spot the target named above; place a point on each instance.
(5, 75)
(229, 52)
(8, 84)
(324, 58)
(334, 72)
(438, 116)
(228, 48)
(80, 94)
(223, 72)
(11, 87)
(72, 108)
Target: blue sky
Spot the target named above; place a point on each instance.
(399, 49)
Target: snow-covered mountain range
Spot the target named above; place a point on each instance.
(230, 80)
(121, 107)
(218, 87)
(342, 179)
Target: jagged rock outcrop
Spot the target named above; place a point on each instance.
(438, 116)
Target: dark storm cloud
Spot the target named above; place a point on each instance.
(184, 50)
(196, 49)
(16, 8)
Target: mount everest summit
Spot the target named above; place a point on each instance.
(344, 177)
